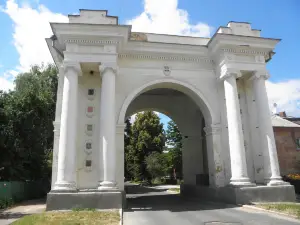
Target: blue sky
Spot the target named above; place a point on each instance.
(24, 25)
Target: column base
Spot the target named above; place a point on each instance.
(240, 195)
(108, 186)
(276, 182)
(241, 182)
(64, 187)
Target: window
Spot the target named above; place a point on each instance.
(298, 143)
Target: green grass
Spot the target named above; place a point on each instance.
(71, 218)
(288, 208)
(177, 190)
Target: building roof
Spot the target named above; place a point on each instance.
(277, 121)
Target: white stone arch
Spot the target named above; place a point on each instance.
(188, 89)
(199, 99)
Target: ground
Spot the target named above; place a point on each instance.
(152, 205)
(158, 205)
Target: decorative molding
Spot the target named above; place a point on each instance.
(88, 146)
(212, 129)
(244, 51)
(260, 74)
(167, 70)
(87, 131)
(138, 37)
(71, 65)
(85, 41)
(170, 58)
(108, 66)
(229, 72)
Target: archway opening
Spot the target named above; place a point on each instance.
(190, 115)
(152, 149)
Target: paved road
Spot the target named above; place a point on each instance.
(153, 206)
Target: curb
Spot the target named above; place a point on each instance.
(269, 211)
(121, 216)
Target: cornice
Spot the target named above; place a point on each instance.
(87, 41)
(170, 58)
(245, 51)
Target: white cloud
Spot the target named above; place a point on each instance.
(164, 17)
(286, 95)
(6, 84)
(31, 27)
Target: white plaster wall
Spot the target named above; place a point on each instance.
(134, 74)
(87, 178)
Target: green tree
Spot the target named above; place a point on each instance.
(127, 135)
(173, 135)
(146, 137)
(27, 114)
(174, 140)
(156, 164)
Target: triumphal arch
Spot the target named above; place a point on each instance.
(213, 88)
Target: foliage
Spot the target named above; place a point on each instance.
(146, 137)
(26, 129)
(173, 135)
(174, 139)
(156, 164)
(293, 176)
(6, 202)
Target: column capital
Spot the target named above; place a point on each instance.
(230, 72)
(258, 74)
(212, 129)
(113, 66)
(71, 65)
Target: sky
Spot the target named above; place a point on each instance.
(25, 24)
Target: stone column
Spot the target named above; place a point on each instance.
(66, 167)
(271, 166)
(214, 157)
(239, 175)
(108, 127)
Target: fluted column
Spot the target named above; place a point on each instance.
(108, 127)
(271, 166)
(66, 167)
(239, 174)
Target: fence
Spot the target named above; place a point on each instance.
(18, 191)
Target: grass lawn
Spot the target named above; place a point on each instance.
(177, 190)
(288, 208)
(71, 218)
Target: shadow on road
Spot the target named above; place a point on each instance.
(137, 189)
(152, 199)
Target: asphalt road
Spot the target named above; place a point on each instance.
(154, 206)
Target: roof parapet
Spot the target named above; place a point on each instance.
(93, 17)
(239, 28)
